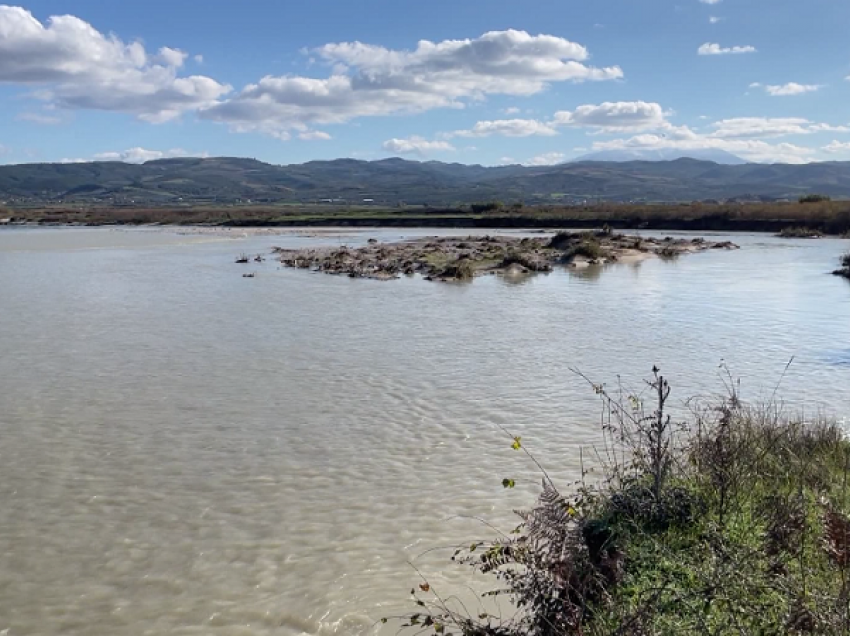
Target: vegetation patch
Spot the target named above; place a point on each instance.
(734, 522)
(462, 258)
(844, 269)
(800, 232)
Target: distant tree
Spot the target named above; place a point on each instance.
(490, 206)
(814, 198)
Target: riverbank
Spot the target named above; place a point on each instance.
(733, 522)
(832, 218)
(464, 258)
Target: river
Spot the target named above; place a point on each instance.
(187, 451)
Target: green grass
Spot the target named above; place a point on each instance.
(732, 523)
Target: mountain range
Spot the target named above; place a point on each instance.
(664, 154)
(225, 180)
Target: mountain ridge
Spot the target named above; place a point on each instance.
(226, 180)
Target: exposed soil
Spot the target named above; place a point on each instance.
(459, 258)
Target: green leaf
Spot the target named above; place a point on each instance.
(508, 483)
(473, 547)
(517, 443)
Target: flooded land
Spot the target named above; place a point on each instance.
(185, 451)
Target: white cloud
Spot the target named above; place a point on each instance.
(140, 155)
(791, 88)
(507, 128)
(507, 161)
(749, 149)
(370, 80)
(711, 1)
(837, 147)
(828, 128)
(513, 110)
(743, 127)
(199, 59)
(614, 116)
(314, 135)
(714, 19)
(546, 159)
(416, 146)
(79, 67)
(715, 49)
(38, 118)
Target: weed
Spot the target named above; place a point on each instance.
(734, 522)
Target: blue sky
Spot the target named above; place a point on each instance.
(473, 81)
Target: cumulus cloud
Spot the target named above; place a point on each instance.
(791, 88)
(314, 135)
(614, 116)
(507, 128)
(139, 155)
(546, 159)
(742, 136)
(742, 127)
(837, 147)
(715, 49)
(513, 110)
(749, 149)
(369, 80)
(416, 146)
(79, 67)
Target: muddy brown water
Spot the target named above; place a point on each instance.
(187, 451)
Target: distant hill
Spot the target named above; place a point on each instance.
(225, 180)
(664, 154)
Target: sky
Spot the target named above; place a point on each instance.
(471, 81)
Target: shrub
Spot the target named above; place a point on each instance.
(800, 232)
(528, 260)
(563, 240)
(844, 270)
(461, 269)
(589, 249)
(732, 523)
(490, 206)
(814, 198)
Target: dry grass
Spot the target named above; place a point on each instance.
(829, 217)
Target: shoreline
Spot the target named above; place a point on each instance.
(792, 219)
(773, 227)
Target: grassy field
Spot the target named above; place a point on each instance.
(825, 217)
